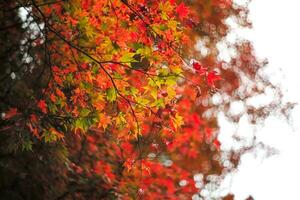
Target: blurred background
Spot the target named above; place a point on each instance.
(266, 174)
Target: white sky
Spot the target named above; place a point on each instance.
(276, 36)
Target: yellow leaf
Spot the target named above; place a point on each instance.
(178, 121)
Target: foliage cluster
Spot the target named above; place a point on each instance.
(104, 99)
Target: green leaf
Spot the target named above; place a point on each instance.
(103, 26)
(111, 94)
(82, 124)
(49, 136)
(144, 52)
(117, 76)
(163, 27)
(84, 112)
(82, 23)
(52, 108)
(127, 58)
(69, 78)
(159, 103)
(136, 46)
(124, 24)
(27, 145)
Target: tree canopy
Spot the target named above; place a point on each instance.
(104, 99)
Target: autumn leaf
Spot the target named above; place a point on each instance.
(118, 76)
(84, 112)
(85, 4)
(104, 121)
(58, 134)
(128, 57)
(208, 133)
(33, 130)
(55, 69)
(199, 68)
(43, 106)
(212, 77)
(11, 113)
(33, 118)
(52, 135)
(53, 97)
(172, 2)
(111, 94)
(217, 144)
(182, 10)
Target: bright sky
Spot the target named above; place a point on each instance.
(276, 36)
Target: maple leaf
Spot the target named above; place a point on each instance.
(57, 134)
(55, 69)
(43, 106)
(196, 119)
(129, 163)
(208, 133)
(33, 118)
(53, 97)
(196, 65)
(182, 10)
(111, 94)
(85, 4)
(199, 68)
(33, 130)
(60, 93)
(217, 144)
(212, 77)
(10, 113)
(172, 2)
(104, 121)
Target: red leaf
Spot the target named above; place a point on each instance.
(55, 69)
(43, 106)
(212, 77)
(11, 113)
(59, 93)
(85, 4)
(182, 10)
(33, 130)
(217, 144)
(208, 133)
(199, 68)
(33, 118)
(197, 65)
(196, 119)
(53, 97)
(172, 2)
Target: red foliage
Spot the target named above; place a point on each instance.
(124, 100)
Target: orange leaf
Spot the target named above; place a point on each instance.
(104, 121)
(43, 106)
(33, 130)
